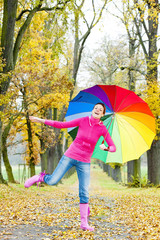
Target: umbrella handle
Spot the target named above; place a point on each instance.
(107, 149)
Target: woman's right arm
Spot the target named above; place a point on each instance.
(36, 119)
(57, 124)
(69, 124)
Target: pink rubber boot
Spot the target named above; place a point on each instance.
(88, 211)
(84, 211)
(35, 179)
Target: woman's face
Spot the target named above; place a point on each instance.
(97, 111)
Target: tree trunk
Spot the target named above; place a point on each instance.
(133, 167)
(52, 159)
(7, 165)
(5, 153)
(7, 38)
(117, 174)
(153, 156)
(1, 176)
(133, 170)
(76, 60)
(30, 145)
(109, 171)
(114, 173)
(105, 167)
(29, 132)
(152, 59)
(152, 72)
(52, 151)
(43, 157)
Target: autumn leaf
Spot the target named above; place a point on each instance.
(116, 212)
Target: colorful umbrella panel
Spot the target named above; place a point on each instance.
(128, 119)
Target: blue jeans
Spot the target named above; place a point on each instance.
(83, 172)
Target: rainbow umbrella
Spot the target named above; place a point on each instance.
(128, 119)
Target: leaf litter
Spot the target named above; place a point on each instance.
(53, 212)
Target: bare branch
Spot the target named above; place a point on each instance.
(19, 153)
(16, 143)
(21, 14)
(57, 7)
(100, 14)
(143, 22)
(81, 5)
(140, 37)
(92, 23)
(133, 69)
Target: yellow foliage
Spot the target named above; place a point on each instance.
(147, 9)
(152, 97)
(44, 82)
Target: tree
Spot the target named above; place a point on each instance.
(136, 15)
(80, 38)
(10, 48)
(116, 63)
(143, 13)
(133, 167)
(105, 63)
(134, 67)
(44, 84)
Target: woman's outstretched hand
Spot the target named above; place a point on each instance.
(104, 148)
(36, 119)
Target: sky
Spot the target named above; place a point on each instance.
(109, 27)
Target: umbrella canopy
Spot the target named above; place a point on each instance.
(128, 119)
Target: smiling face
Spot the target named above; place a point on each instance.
(98, 111)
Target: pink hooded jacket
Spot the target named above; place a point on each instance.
(89, 131)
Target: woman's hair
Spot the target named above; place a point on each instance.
(104, 107)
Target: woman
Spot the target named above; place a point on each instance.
(79, 155)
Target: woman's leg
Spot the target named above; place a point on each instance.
(83, 171)
(63, 166)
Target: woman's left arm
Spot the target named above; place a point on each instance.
(111, 146)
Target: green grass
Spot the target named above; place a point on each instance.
(103, 180)
(99, 180)
(18, 172)
(70, 180)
